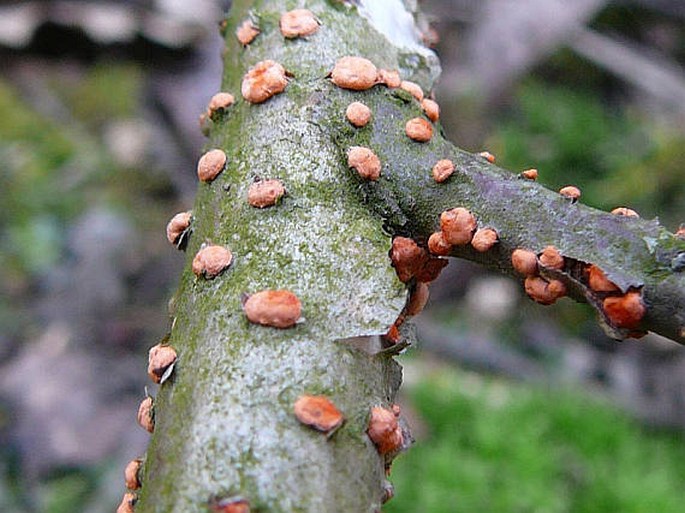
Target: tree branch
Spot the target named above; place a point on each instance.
(224, 424)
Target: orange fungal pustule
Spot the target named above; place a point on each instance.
(127, 503)
(355, 73)
(437, 244)
(625, 311)
(412, 88)
(265, 193)
(487, 156)
(625, 211)
(145, 415)
(418, 129)
(431, 109)
(457, 226)
(132, 474)
(210, 165)
(598, 282)
(417, 299)
(177, 226)
(358, 114)
(389, 78)
(275, 308)
(524, 262)
(365, 162)
(246, 32)
(571, 192)
(484, 239)
(318, 412)
(211, 260)
(406, 257)
(298, 23)
(220, 101)
(263, 80)
(384, 430)
(551, 258)
(160, 358)
(530, 174)
(442, 170)
(230, 505)
(543, 291)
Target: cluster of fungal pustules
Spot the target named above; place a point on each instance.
(279, 309)
(416, 265)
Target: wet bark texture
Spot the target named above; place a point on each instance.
(224, 422)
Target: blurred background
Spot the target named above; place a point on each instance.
(515, 407)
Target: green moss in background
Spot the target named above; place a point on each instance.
(494, 446)
(613, 153)
(110, 90)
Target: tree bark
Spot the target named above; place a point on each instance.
(224, 421)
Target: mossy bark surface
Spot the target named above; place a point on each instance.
(224, 422)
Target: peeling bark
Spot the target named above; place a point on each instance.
(224, 424)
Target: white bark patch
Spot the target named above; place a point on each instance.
(392, 19)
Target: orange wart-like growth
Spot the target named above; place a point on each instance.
(487, 156)
(406, 257)
(598, 281)
(625, 311)
(412, 88)
(442, 170)
(358, 114)
(318, 412)
(246, 32)
(263, 80)
(298, 23)
(412, 261)
(220, 101)
(570, 191)
(364, 162)
(355, 73)
(389, 78)
(275, 308)
(211, 261)
(437, 244)
(530, 174)
(625, 211)
(384, 430)
(131, 474)
(160, 358)
(484, 239)
(145, 415)
(551, 258)
(210, 165)
(524, 262)
(418, 129)
(431, 109)
(542, 291)
(265, 193)
(417, 299)
(230, 505)
(127, 503)
(177, 226)
(457, 225)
